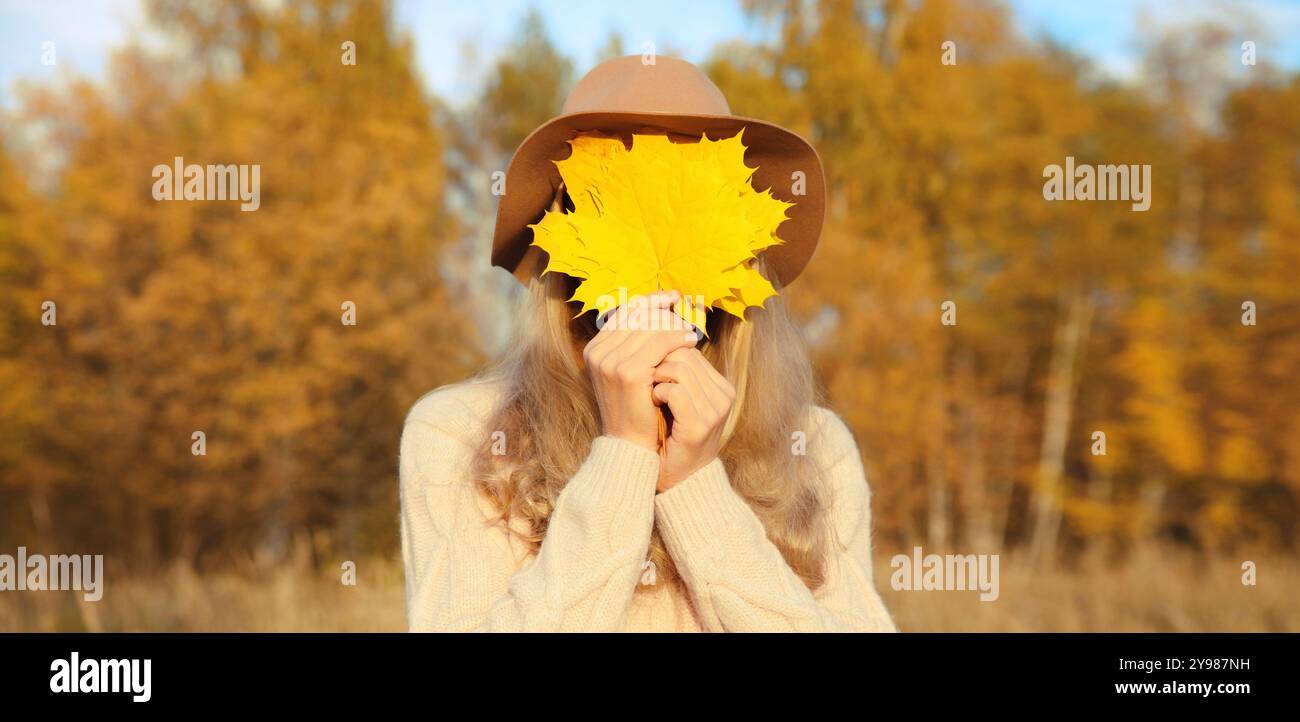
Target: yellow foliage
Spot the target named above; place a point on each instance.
(662, 216)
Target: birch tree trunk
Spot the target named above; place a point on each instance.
(1058, 408)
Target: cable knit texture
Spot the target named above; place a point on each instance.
(464, 572)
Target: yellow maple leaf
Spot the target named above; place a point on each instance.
(662, 216)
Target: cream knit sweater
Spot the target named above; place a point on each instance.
(464, 573)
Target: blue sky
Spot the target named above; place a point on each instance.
(455, 41)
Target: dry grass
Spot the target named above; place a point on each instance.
(1153, 592)
(287, 599)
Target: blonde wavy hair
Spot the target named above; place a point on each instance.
(549, 413)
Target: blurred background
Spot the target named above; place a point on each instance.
(979, 437)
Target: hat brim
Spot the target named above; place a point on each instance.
(532, 179)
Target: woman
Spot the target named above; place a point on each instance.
(539, 498)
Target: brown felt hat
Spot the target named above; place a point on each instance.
(628, 95)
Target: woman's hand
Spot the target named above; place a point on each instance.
(700, 399)
(621, 361)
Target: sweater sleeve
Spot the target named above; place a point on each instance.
(738, 579)
(462, 572)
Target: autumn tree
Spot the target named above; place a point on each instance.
(293, 337)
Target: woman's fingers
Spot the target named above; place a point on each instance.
(659, 346)
(724, 394)
(637, 336)
(706, 371)
(637, 312)
(647, 349)
(700, 399)
(698, 407)
(660, 329)
(603, 351)
(663, 393)
(690, 368)
(620, 360)
(679, 400)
